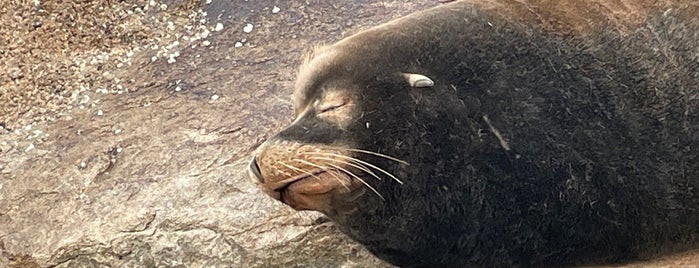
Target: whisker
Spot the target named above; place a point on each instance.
(298, 169)
(281, 171)
(359, 179)
(323, 168)
(358, 161)
(360, 167)
(379, 155)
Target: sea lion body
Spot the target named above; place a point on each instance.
(537, 144)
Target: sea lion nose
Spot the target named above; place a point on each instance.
(255, 169)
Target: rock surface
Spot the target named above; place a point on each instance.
(125, 133)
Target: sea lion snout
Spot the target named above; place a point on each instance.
(305, 176)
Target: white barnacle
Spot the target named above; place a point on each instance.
(248, 28)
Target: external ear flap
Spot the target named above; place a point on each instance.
(418, 80)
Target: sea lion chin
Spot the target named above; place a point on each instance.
(493, 134)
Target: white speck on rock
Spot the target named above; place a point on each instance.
(29, 148)
(206, 43)
(117, 131)
(154, 58)
(173, 45)
(275, 10)
(214, 97)
(36, 133)
(119, 149)
(83, 164)
(85, 99)
(248, 28)
(178, 89)
(238, 44)
(100, 113)
(208, 2)
(219, 26)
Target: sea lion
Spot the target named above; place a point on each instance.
(501, 134)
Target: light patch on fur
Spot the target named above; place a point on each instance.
(418, 80)
(583, 17)
(337, 106)
(497, 134)
(574, 16)
(315, 65)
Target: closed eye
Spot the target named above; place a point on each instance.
(331, 107)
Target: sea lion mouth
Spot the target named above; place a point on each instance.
(316, 190)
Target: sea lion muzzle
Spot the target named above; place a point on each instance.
(306, 176)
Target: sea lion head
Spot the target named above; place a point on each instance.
(367, 149)
(334, 151)
(372, 144)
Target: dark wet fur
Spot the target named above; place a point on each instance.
(602, 131)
